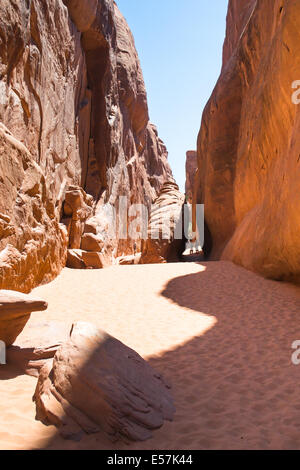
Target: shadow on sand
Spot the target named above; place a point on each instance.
(234, 387)
(10, 371)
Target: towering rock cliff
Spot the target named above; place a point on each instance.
(248, 147)
(73, 117)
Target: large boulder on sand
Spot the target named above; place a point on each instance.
(80, 259)
(97, 383)
(15, 311)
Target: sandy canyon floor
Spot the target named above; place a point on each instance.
(220, 335)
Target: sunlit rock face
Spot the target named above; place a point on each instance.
(190, 173)
(42, 83)
(248, 147)
(73, 113)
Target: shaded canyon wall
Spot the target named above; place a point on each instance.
(190, 174)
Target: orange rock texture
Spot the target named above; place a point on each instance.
(165, 240)
(248, 147)
(15, 311)
(73, 113)
(190, 174)
(96, 383)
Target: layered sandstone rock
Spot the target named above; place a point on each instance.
(191, 166)
(165, 238)
(15, 311)
(73, 113)
(248, 146)
(42, 83)
(129, 260)
(96, 383)
(125, 156)
(77, 209)
(85, 249)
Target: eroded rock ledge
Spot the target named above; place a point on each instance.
(15, 311)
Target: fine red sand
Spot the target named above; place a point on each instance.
(221, 335)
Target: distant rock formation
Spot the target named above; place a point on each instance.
(73, 113)
(248, 146)
(165, 240)
(96, 383)
(190, 174)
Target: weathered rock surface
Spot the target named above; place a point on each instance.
(42, 83)
(190, 173)
(129, 260)
(36, 345)
(165, 240)
(125, 155)
(97, 383)
(85, 250)
(15, 311)
(91, 242)
(77, 209)
(73, 113)
(32, 242)
(248, 146)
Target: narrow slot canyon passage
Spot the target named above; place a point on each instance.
(144, 305)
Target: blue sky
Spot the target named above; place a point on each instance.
(180, 48)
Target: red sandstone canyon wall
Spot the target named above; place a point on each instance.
(248, 146)
(73, 114)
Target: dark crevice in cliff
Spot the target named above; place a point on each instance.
(208, 241)
(97, 61)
